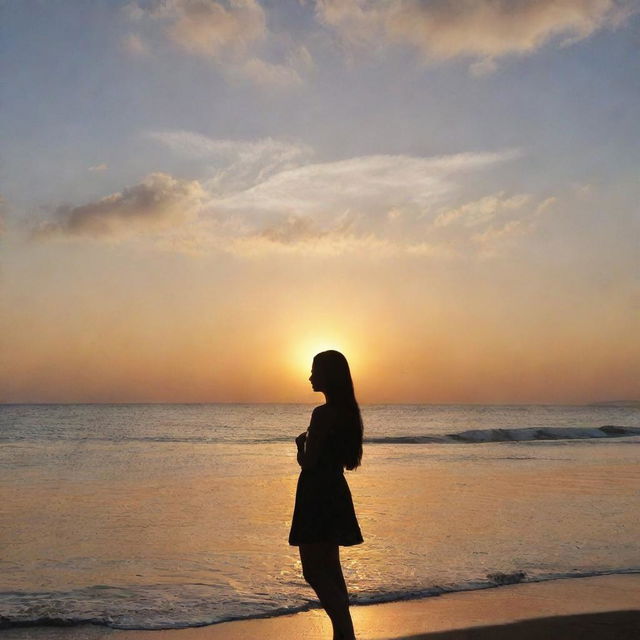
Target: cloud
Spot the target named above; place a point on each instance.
(483, 67)
(232, 33)
(269, 74)
(490, 28)
(237, 36)
(386, 202)
(158, 202)
(294, 232)
(360, 23)
(266, 196)
(511, 220)
(135, 45)
(212, 28)
(197, 145)
(483, 30)
(481, 212)
(234, 165)
(327, 243)
(368, 184)
(98, 168)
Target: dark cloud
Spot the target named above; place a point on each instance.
(158, 202)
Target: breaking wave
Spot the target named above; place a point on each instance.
(512, 435)
(182, 606)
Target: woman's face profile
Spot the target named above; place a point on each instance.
(315, 378)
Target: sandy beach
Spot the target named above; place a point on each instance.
(595, 608)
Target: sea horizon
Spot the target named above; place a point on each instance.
(362, 404)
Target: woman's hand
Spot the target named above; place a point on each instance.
(300, 440)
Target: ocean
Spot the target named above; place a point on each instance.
(166, 516)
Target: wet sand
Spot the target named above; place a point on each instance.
(597, 608)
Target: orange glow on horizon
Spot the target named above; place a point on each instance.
(456, 342)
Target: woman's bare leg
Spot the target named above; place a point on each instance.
(339, 576)
(312, 570)
(335, 566)
(321, 569)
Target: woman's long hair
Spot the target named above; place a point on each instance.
(336, 376)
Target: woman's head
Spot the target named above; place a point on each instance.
(330, 374)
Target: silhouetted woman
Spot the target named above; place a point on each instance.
(323, 517)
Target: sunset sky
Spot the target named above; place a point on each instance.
(198, 195)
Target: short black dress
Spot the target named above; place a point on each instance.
(323, 510)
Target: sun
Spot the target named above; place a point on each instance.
(305, 351)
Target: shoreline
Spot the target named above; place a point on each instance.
(592, 608)
(499, 581)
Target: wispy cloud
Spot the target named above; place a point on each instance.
(482, 30)
(98, 168)
(135, 45)
(480, 212)
(492, 224)
(368, 185)
(270, 74)
(197, 145)
(234, 165)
